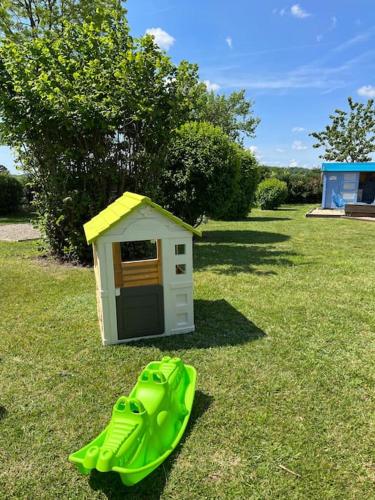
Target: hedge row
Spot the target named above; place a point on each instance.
(11, 194)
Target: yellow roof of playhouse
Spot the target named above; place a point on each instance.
(122, 207)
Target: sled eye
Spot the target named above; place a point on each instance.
(121, 405)
(158, 378)
(136, 407)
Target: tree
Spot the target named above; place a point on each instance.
(233, 113)
(89, 112)
(351, 135)
(201, 173)
(3, 170)
(247, 181)
(23, 18)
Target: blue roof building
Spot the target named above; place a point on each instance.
(347, 184)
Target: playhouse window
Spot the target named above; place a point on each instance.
(138, 250)
(180, 268)
(180, 249)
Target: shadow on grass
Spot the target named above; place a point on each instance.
(245, 236)
(3, 412)
(266, 219)
(218, 324)
(286, 209)
(232, 252)
(153, 485)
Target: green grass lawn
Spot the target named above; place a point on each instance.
(283, 349)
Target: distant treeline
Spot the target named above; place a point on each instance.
(304, 185)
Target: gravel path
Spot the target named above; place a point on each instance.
(18, 232)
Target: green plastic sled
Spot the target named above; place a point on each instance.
(146, 426)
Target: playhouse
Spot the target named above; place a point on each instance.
(143, 260)
(349, 186)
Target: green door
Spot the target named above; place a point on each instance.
(140, 311)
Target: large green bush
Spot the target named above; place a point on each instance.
(11, 191)
(271, 193)
(201, 173)
(247, 181)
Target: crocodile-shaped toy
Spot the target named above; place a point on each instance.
(146, 426)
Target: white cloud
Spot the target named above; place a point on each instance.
(332, 27)
(283, 83)
(314, 75)
(211, 86)
(229, 41)
(255, 151)
(298, 146)
(297, 11)
(162, 38)
(298, 129)
(293, 163)
(323, 74)
(280, 12)
(333, 22)
(280, 150)
(367, 91)
(362, 37)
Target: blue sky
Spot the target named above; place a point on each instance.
(297, 61)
